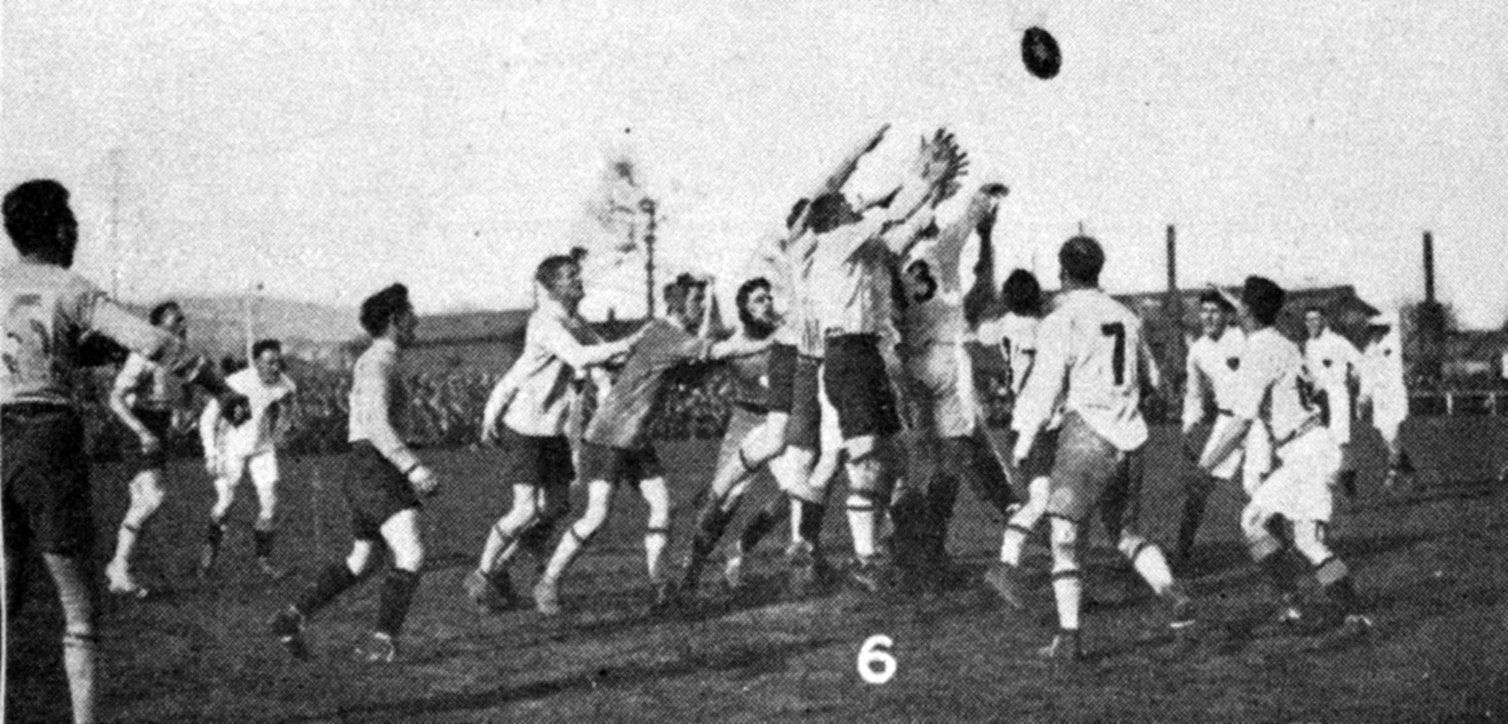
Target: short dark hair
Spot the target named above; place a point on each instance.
(1263, 299)
(161, 312)
(1211, 296)
(1081, 259)
(547, 269)
(1022, 293)
(746, 290)
(33, 213)
(266, 345)
(679, 289)
(379, 310)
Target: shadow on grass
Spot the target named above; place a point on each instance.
(748, 659)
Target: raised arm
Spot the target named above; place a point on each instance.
(553, 336)
(981, 296)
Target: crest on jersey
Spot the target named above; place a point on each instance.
(1233, 362)
(1327, 363)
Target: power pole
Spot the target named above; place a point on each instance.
(648, 206)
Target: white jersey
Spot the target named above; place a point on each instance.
(1213, 365)
(1091, 353)
(1015, 336)
(1332, 359)
(1381, 373)
(259, 433)
(1274, 386)
(936, 315)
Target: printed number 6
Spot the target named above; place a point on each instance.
(876, 665)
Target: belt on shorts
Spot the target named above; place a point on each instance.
(1309, 425)
(22, 410)
(753, 407)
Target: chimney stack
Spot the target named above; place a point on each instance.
(1429, 267)
(1172, 260)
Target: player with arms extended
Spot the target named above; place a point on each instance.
(146, 398)
(533, 402)
(49, 311)
(1276, 390)
(1091, 355)
(382, 483)
(617, 448)
(233, 451)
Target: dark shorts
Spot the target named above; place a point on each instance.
(159, 423)
(536, 461)
(618, 465)
(782, 375)
(858, 387)
(46, 500)
(1089, 473)
(804, 429)
(375, 490)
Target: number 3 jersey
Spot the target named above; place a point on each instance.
(1089, 355)
(1274, 386)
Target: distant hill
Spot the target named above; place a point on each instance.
(216, 324)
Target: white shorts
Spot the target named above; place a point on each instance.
(1300, 488)
(1252, 459)
(1388, 419)
(263, 467)
(1340, 414)
(939, 393)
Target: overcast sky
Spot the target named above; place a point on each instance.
(326, 148)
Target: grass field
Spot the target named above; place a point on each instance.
(1431, 562)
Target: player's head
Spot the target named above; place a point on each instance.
(686, 298)
(1022, 294)
(1314, 320)
(1263, 300)
(389, 314)
(168, 317)
(828, 212)
(560, 275)
(1080, 261)
(756, 307)
(1215, 312)
(267, 355)
(40, 223)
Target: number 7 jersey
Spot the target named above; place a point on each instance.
(1090, 355)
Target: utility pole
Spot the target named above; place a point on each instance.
(649, 207)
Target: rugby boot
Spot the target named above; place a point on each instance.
(1352, 629)
(1066, 647)
(874, 574)
(288, 626)
(490, 594)
(379, 649)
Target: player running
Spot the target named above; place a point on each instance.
(1275, 390)
(617, 448)
(383, 482)
(533, 401)
(1214, 363)
(938, 377)
(1091, 355)
(146, 398)
(49, 311)
(1333, 361)
(233, 451)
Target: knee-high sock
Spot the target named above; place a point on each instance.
(808, 518)
(1335, 579)
(262, 542)
(1068, 592)
(765, 520)
(1149, 563)
(1196, 495)
(656, 540)
(331, 581)
(711, 522)
(397, 593)
(863, 519)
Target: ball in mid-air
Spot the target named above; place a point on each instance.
(1040, 53)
